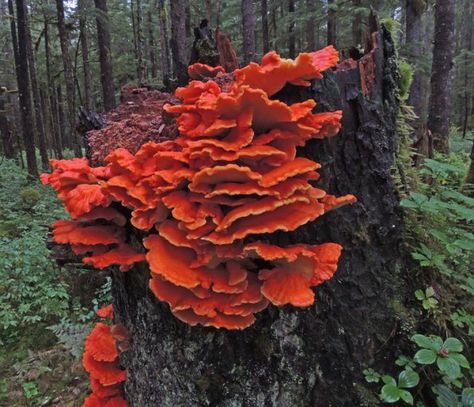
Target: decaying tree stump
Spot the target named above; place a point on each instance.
(293, 357)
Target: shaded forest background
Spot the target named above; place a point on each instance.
(61, 60)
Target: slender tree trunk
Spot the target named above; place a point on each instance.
(133, 16)
(248, 30)
(151, 46)
(265, 39)
(295, 357)
(69, 78)
(331, 24)
(164, 43)
(468, 77)
(310, 25)
(105, 57)
(141, 67)
(291, 29)
(414, 51)
(441, 97)
(24, 84)
(178, 40)
(39, 120)
(61, 121)
(357, 25)
(5, 131)
(56, 135)
(88, 98)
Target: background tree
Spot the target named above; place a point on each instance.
(441, 96)
(178, 40)
(248, 30)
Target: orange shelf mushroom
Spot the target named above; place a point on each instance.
(231, 174)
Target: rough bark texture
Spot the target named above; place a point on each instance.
(21, 63)
(248, 30)
(151, 46)
(105, 58)
(178, 40)
(440, 98)
(295, 357)
(5, 132)
(291, 30)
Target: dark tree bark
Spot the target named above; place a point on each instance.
(164, 47)
(39, 120)
(61, 120)
(291, 29)
(69, 78)
(141, 67)
(414, 49)
(357, 25)
(441, 98)
(88, 99)
(151, 46)
(5, 132)
(23, 79)
(265, 39)
(248, 31)
(296, 357)
(310, 26)
(178, 40)
(105, 57)
(468, 46)
(331, 24)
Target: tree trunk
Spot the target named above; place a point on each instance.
(54, 118)
(468, 77)
(151, 46)
(357, 25)
(178, 40)
(5, 132)
(296, 357)
(331, 24)
(248, 30)
(39, 120)
(61, 121)
(141, 67)
(88, 99)
(105, 57)
(265, 40)
(310, 40)
(164, 44)
(21, 62)
(414, 39)
(291, 29)
(69, 78)
(441, 97)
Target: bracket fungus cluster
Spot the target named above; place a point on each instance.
(203, 202)
(101, 360)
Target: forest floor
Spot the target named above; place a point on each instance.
(45, 313)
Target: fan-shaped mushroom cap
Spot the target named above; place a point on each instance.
(202, 71)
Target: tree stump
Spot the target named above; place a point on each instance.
(296, 357)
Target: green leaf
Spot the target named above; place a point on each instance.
(430, 291)
(453, 345)
(408, 379)
(406, 397)
(390, 393)
(460, 359)
(432, 342)
(446, 397)
(449, 367)
(467, 398)
(425, 357)
(420, 295)
(389, 380)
